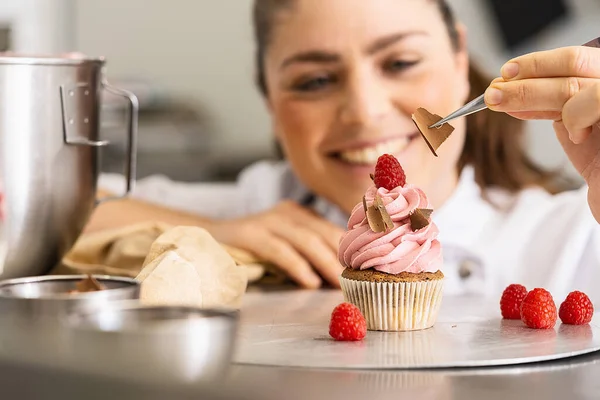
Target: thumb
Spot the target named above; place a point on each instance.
(571, 149)
(562, 134)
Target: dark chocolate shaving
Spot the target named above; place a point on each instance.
(419, 218)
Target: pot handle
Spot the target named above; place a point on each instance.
(132, 133)
(82, 93)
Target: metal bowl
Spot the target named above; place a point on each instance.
(154, 343)
(48, 296)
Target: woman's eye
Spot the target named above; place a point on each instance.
(399, 65)
(314, 84)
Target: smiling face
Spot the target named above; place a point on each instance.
(344, 77)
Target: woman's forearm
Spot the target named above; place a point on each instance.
(119, 213)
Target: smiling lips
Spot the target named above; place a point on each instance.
(368, 155)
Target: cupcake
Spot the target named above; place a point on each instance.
(392, 255)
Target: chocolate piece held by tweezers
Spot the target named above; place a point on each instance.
(419, 218)
(434, 137)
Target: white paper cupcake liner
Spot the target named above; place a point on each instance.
(395, 306)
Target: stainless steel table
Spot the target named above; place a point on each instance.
(573, 378)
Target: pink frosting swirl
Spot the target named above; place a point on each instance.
(398, 249)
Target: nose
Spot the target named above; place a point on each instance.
(366, 100)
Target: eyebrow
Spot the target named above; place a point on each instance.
(326, 57)
(386, 41)
(312, 56)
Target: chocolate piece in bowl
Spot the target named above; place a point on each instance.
(89, 284)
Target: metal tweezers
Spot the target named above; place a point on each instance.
(471, 107)
(478, 104)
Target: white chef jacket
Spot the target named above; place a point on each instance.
(532, 238)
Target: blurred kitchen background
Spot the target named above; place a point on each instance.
(191, 64)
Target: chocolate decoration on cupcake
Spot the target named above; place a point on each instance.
(419, 218)
(377, 216)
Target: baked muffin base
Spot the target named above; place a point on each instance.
(371, 275)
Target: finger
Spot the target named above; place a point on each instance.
(582, 112)
(563, 137)
(536, 115)
(275, 250)
(313, 248)
(578, 61)
(73, 55)
(329, 232)
(544, 94)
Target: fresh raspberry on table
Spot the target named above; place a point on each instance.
(510, 302)
(388, 173)
(538, 310)
(577, 309)
(347, 323)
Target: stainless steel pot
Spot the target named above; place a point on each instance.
(49, 145)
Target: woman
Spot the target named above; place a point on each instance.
(341, 79)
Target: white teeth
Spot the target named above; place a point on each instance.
(369, 155)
